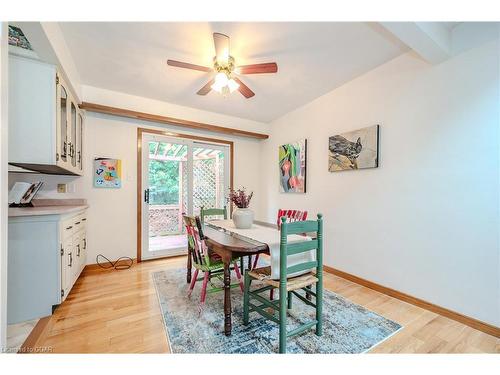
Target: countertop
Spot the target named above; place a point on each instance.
(49, 207)
(45, 210)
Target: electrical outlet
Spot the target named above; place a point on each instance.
(62, 188)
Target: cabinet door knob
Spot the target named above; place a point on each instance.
(68, 228)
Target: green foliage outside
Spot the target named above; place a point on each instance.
(163, 182)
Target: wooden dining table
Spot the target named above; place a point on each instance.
(229, 247)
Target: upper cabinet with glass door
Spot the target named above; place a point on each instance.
(45, 123)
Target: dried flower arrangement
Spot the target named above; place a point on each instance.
(240, 198)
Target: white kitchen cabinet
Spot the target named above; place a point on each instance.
(67, 278)
(73, 250)
(45, 122)
(46, 255)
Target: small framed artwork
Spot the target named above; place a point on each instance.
(292, 167)
(357, 149)
(107, 173)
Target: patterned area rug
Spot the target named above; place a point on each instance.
(347, 327)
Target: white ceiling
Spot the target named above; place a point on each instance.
(312, 58)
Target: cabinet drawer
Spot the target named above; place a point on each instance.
(80, 222)
(74, 224)
(67, 228)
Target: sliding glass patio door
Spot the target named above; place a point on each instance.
(178, 177)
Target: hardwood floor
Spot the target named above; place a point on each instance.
(111, 311)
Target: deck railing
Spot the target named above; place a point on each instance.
(165, 219)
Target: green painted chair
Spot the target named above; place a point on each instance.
(220, 212)
(212, 212)
(289, 286)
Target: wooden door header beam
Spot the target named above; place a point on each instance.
(92, 107)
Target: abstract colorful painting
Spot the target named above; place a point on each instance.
(107, 173)
(292, 167)
(357, 149)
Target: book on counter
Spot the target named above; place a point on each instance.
(22, 193)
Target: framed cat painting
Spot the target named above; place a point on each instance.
(357, 149)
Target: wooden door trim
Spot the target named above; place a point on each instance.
(140, 132)
(464, 319)
(92, 107)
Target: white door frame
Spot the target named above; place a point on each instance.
(145, 176)
(145, 136)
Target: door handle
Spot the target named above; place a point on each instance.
(146, 195)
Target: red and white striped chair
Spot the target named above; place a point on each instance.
(291, 216)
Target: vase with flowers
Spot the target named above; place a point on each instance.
(243, 216)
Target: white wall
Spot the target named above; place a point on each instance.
(3, 183)
(112, 213)
(426, 221)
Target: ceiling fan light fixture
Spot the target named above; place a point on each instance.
(224, 84)
(221, 81)
(225, 69)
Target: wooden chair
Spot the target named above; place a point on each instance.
(291, 216)
(289, 286)
(220, 212)
(205, 212)
(212, 212)
(204, 260)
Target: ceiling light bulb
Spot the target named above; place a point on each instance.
(221, 81)
(233, 85)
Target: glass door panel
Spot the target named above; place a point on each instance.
(79, 142)
(166, 199)
(72, 142)
(63, 113)
(210, 180)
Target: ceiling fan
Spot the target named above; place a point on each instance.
(226, 80)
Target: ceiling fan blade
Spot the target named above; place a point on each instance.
(257, 68)
(221, 43)
(245, 91)
(206, 89)
(180, 64)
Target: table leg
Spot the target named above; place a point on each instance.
(189, 266)
(227, 299)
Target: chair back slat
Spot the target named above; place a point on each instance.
(204, 212)
(301, 267)
(299, 227)
(301, 247)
